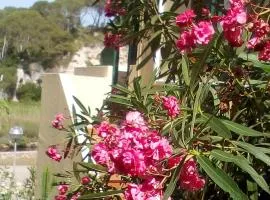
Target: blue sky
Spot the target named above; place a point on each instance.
(17, 3)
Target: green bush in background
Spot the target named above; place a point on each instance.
(29, 92)
(8, 82)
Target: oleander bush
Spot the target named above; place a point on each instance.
(204, 133)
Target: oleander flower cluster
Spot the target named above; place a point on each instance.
(53, 153)
(193, 34)
(234, 23)
(114, 8)
(133, 149)
(113, 40)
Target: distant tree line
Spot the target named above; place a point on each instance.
(48, 33)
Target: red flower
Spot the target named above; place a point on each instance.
(113, 8)
(186, 18)
(233, 23)
(189, 177)
(85, 180)
(113, 40)
(264, 54)
(53, 154)
(171, 104)
(204, 32)
(60, 197)
(186, 41)
(58, 121)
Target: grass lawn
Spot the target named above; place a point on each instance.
(26, 115)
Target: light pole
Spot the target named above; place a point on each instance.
(15, 133)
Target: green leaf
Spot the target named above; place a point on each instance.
(253, 58)
(254, 151)
(217, 126)
(243, 163)
(242, 130)
(100, 195)
(137, 87)
(122, 89)
(45, 182)
(219, 177)
(120, 101)
(196, 108)
(81, 106)
(174, 178)
(171, 125)
(185, 70)
(198, 67)
(92, 166)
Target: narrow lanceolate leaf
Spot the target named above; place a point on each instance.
(254, 151)
(93, 166)
(217, 126)
(174, 178)
(81, 106)
(185, 70)
(100, 195)
(200, 63)
(122, 89)
(137, 87)
(196, 108)
(120, 101)
(220, 178)
(242, 130)
(243, 163)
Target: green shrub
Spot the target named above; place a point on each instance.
(29, 92)
(8, 83)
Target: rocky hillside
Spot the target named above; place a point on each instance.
(86, 56)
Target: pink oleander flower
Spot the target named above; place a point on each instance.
(114, 8)
(75, 196)
(133, 192)
(186, 42)
(189, 177)
(204, 32)
(100, 154)
(133, 149)
(233, 23)
(85, 180)
(159, 148)
(186, 18)
(53, 153)
(58, 121)
(171, 104)
(134, 120)
(234, 37)
(106, 129)
(238, 2)
(113, 40)
(259, 30)
(148, 190)
(62, 189)
(255, 43)
(174, 161)
(133, 163)
(264, 54)
(60, 197)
